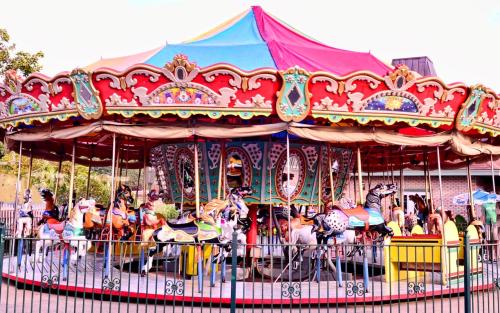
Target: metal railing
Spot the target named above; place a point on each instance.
(116, 276)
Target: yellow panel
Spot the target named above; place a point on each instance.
(417, 230)
(395, 228)
(451, 232)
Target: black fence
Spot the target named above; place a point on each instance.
(77, 275)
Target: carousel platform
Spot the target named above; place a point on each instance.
(88, 277)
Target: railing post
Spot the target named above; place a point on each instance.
(467, 278)
(2, 244)
(234, 264)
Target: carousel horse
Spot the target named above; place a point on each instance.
(307, 234)
(427, 215)
(421, 207)
(232, 211)
(398, 216)
(435, 222)
(25, 217)
(121, 216)
(313, 230)
(150, 222)
(92, 220)
(52, 231)
(369, 218)
(216, 225)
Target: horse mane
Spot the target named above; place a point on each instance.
(49, 204)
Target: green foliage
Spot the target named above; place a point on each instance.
(22, 61)
(44, 174)
(168, 211)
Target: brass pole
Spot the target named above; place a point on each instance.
(360, 178)
(16, 201)
(493, 174)
(57, 177)
(444, 263)
(221, 170)
(72, 179)
(30, 169)
(331, 174)
(145, 171)
(197, 178)
(472, 213)
(89, 171)
(320, 178)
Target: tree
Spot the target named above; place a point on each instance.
(21, 61)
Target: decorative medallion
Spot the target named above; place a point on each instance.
(355, 289)
(290, 290)
(50, 281)
(18, 105)
(470, 109)
(239, 168)
(180, 69)
(298, 166)
(401, 78)
(172, 94)
(392, 103)
(174, 287)
(293, 98)
(86, 96)
(416, 288)
(184, 172)
(111, 284)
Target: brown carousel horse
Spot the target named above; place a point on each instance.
(122, 218)
(428, 215)
(92, 220)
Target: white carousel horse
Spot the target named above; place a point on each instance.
(25, 217)
(70, 232)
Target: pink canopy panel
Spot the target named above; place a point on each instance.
(251, 40)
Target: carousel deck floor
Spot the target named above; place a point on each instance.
(88, 278)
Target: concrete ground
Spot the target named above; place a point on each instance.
(29, 301)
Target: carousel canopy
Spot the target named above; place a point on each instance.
(252, 78)
(254, 39)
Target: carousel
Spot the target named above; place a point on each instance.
(262, 141)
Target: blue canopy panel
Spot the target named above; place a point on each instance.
(239, 44)
(245, 57)
(243, 32)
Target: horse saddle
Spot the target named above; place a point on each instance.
(57, 227)
(118, 212)
(358, 212)
(189, 228)
(306, 220)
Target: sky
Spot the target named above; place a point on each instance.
(462, 38)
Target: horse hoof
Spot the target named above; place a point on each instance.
(143, 274)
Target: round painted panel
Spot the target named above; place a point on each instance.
(238, 168)
(297, 175)
(184, 171)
